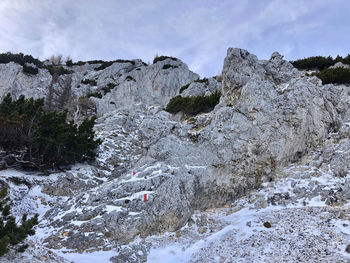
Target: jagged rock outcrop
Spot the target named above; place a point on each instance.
(14, 81)
(270, 115)
(123, 84)
(149, 85)
(201, 87)
(295, 108)
(154, 170)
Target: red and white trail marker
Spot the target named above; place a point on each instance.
(145, 197)
(133, 173)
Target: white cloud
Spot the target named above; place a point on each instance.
(198, 31)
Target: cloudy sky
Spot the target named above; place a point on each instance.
(196, 31)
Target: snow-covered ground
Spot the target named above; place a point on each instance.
(287, 220)
(303, 216)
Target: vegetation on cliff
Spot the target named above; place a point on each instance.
(30, 137)
(319, 62)
(339, 75)
(193, 105)
(12, 235)
(334, 76)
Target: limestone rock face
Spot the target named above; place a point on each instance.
(154, 170)
(14, 81)
(286, 112)
(242, 68)
(121, 85)
(206, 87)
(154, 84)
(270, 115)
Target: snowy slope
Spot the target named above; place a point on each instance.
(303, 227)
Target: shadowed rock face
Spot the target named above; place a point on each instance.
(270, 115)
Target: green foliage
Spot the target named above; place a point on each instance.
(27, 59)
(161, 58)
(334, 75)
(69, 63)
(91, 62)
(22, 248)
(193, 105)
(204, 80)
(98, 94)
(11, 234)
(319, 62)
(79, 63)
(30, 70)
(106, 64)
(129, 78)
(167, 66)
(42, 139)
(23, 59)
(19, 59)
(184, 87)
(109, 87)
(90, 82)
(124, 61)
(59, 142)
(95, 94)
(17, 121)
(346, 60)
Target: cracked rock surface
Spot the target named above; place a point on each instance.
(262, 177)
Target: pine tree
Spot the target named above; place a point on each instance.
(40, 139)
(12, 235)
(193, 105)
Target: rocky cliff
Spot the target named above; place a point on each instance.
(156, 170)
